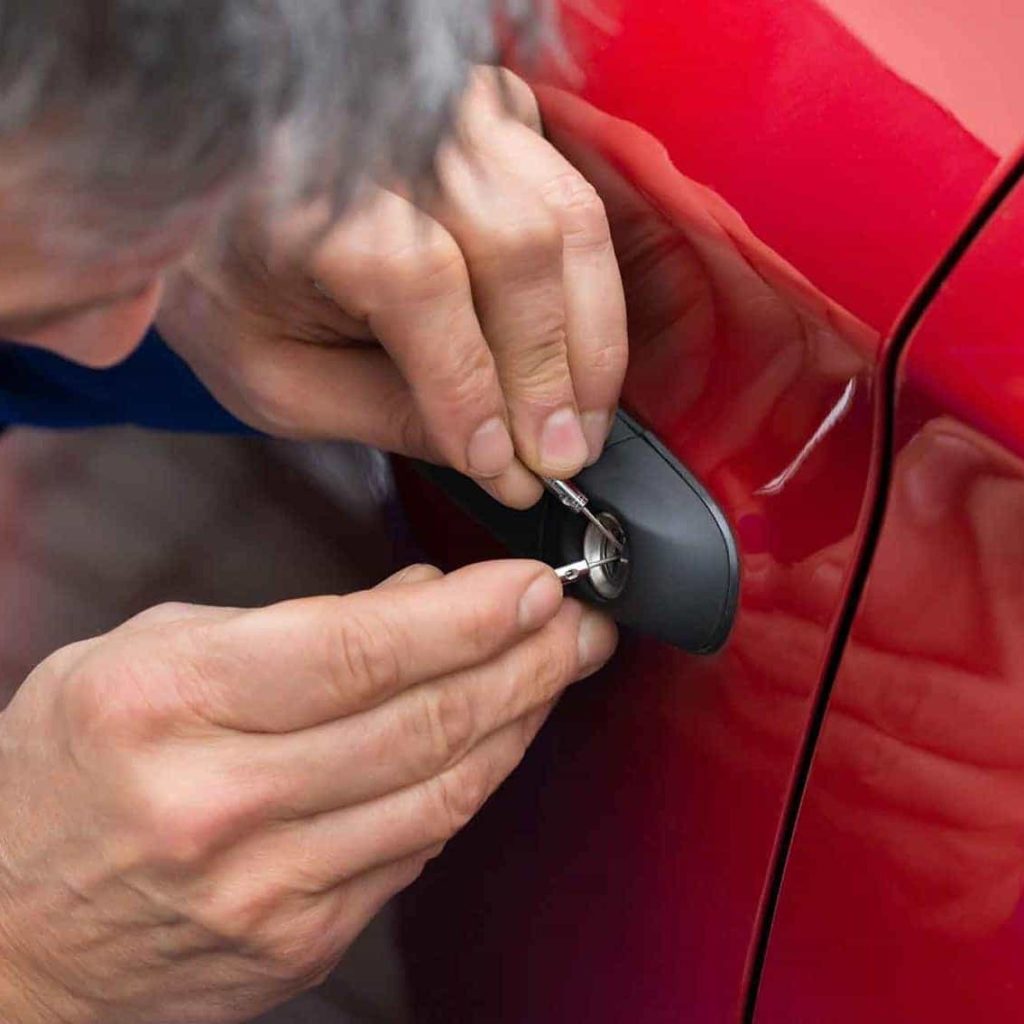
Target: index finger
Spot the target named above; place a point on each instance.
(513, 249)
(404, 274)
(305, 662)
(595, 304)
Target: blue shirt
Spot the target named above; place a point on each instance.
(151, 388)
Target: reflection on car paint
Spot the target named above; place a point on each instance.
(835, 414)
(912, 829)
(776, 196)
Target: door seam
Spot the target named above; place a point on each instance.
(880, 486)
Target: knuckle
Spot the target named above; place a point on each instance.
(520, 740)
(65, 660)
(522, 98)
(459, 793)
(196, 666)
(528, 727)
(530, 241)
(410, 430)
(158, 614)
(608, 358)
(540, 371)
(445, 726)
(407, 432)
(579, 209)
(403, 873)
(117, 698)
(554, 664)
(427, 855)
(284, 937)
(492, 86)
(466, 376)
(481, 623)
(409, 873)
(482, 78)
(298, 953)
(364, 656)
(88, 710)
(418, 572)
(430, 267)
(182, 826)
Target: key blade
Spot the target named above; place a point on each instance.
(575, 571)
(606, 533)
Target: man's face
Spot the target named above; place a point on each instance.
(91, 308)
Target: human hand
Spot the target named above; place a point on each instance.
(201, 809)
(484, 328)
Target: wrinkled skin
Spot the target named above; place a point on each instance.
(202, 808)
(492, 308)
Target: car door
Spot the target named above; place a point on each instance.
(784, 182)
(902, 896)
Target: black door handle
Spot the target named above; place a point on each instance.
(680, 580)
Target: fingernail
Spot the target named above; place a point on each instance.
(563, 448)
(597, 638)
(595, 430)
(490, 450)
(540, 601)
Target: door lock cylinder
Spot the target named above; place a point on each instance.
(636, 534)
(576, 501)
(606, 549)
(604, 561)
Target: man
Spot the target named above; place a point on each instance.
(201, 809)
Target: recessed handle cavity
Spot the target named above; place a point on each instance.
(678, 577)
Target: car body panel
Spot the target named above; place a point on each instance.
(778, 193)
(902, 895)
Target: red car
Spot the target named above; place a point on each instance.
(818, 210)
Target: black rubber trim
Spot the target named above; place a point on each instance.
(883, 481)
(732, 596)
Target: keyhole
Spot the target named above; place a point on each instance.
(608, 580)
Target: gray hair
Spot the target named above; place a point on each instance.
(144, 105)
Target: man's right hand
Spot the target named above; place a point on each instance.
(485, 331)
(200, 810)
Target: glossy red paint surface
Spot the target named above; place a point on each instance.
(902, 898)
(778, 192)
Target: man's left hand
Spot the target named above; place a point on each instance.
(484, 328)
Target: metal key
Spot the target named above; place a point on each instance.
(576, 501)
(575, 571)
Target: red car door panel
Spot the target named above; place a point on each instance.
(778, 193)
(902, 896)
